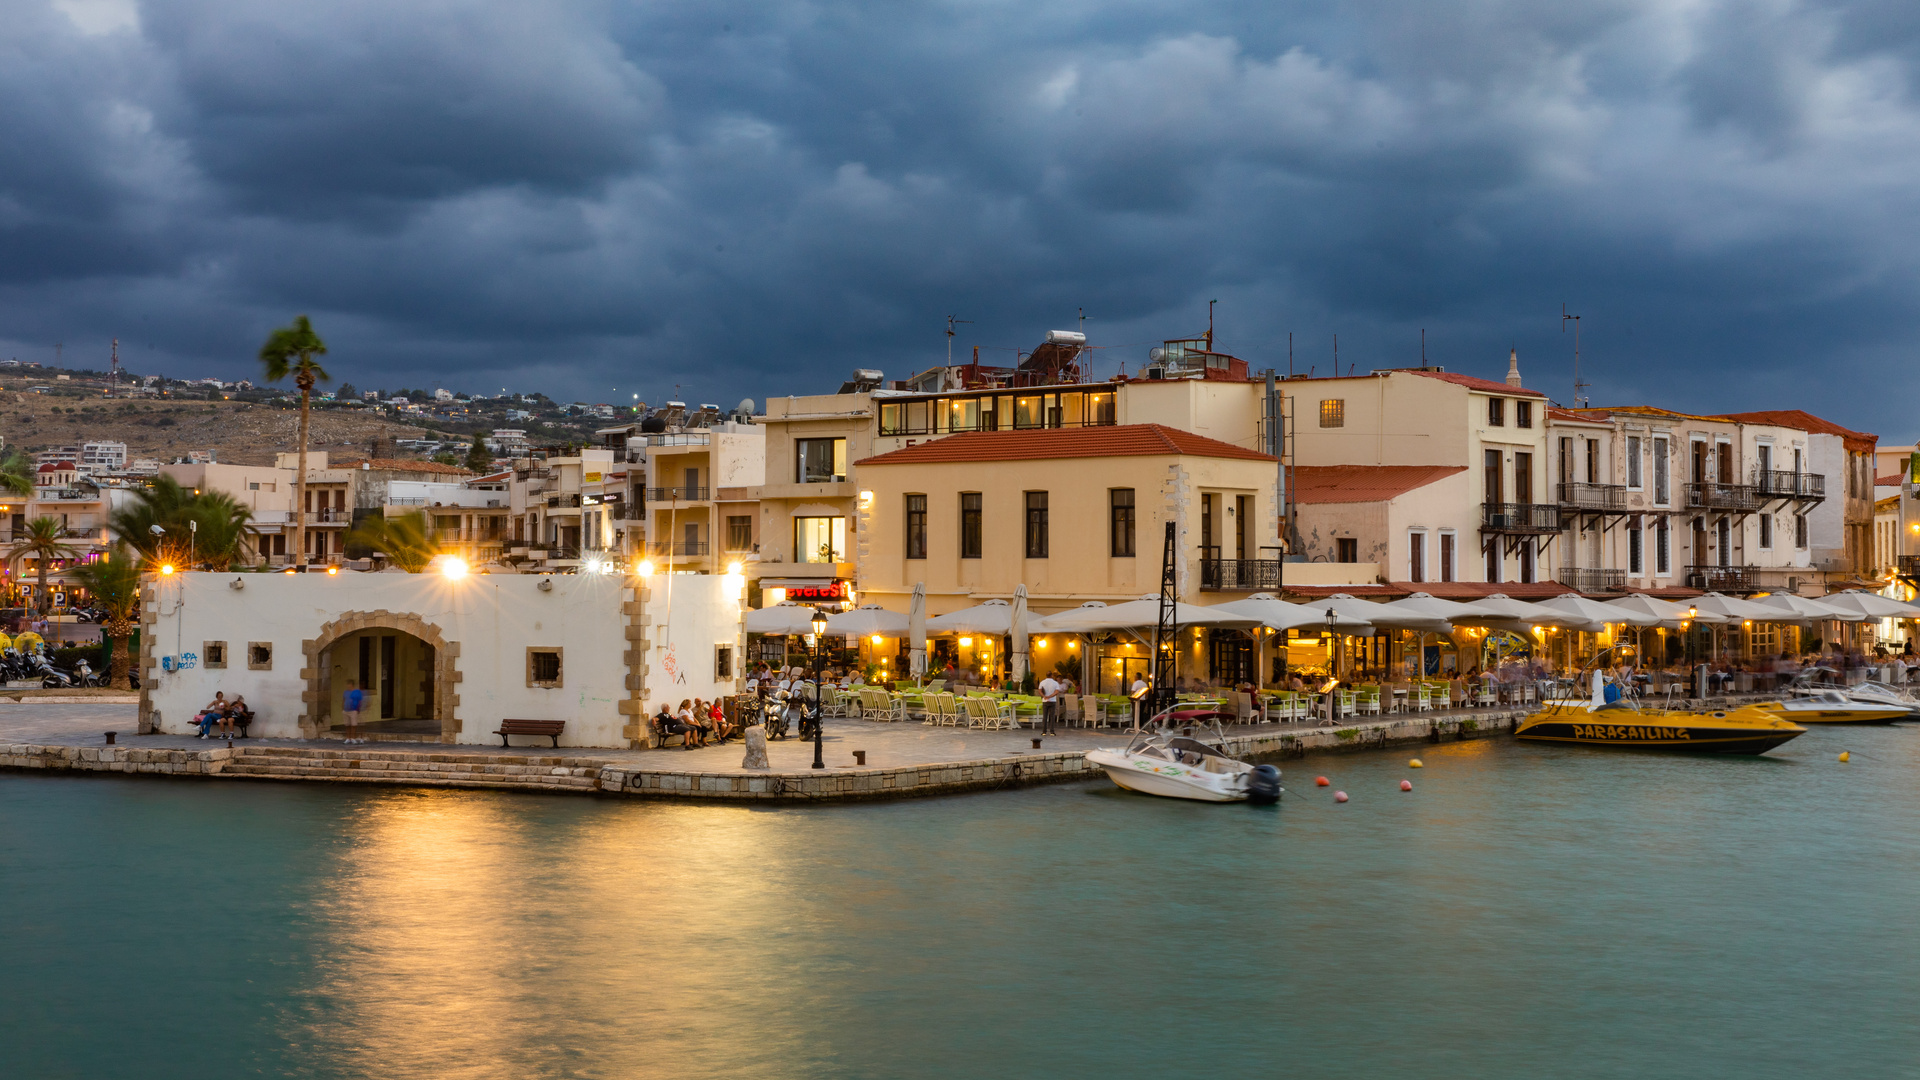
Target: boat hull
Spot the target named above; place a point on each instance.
(1165, 778)
(1692, 734)
(1854, 714)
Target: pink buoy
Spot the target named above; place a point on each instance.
(1339, 796)
(1406, 785)
(1321, 781)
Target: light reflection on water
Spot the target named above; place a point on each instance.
(1525, 912)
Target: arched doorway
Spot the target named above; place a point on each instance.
(401, 661)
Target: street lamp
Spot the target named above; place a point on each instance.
(819, 712)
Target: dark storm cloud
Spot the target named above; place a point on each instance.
(751, 200)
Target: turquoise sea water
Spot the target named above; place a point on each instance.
(1525, 912)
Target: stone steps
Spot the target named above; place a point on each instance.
(391, 768)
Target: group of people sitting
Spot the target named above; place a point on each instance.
(697, 719)
(225, 714)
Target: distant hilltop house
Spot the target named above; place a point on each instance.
(443, 395)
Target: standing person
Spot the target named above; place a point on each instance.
(1139, 695)
(1050, 691)
(352, 702)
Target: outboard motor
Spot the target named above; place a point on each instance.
(1264, 785)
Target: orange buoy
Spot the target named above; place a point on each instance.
(1339, 796)
(1321, 781)
(1844, 756)
(1416, 763)
(1406, 785)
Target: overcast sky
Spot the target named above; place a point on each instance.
(602, 199)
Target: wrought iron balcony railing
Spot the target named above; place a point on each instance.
(678, 494)
(1593, 496)
(1787, 484)
(1592, 579)
(1520, 518)
(1716, 496)
(1723, 578)
(1235, 575)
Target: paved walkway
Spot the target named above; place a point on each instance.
(887, 745)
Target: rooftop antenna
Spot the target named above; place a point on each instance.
(1210, 304)
(1289, 354)
(1579, 399)
(1336, 356)
(113, 368)
(1423, 346)
(1083, 322)
(56, 354)
(951, 320)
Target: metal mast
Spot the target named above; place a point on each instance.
(1579, 398)
(1166, 632)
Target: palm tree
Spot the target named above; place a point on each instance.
(113, 581)
(17, 474)
(44, 540)
(404, 540)
(290, 350)
(213, 528)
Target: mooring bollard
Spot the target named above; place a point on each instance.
(110, 736)
(1036, 744)
(859, 757)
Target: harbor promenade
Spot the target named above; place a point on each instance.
(901, 759)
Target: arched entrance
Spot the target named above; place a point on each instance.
(408, 670)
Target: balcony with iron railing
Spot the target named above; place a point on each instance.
(1723, 578)
(678, 494)
(1787, 484)
(558, 502)
(1717, 496)
(328, 517)
(1589, 579)
(1909, 567)
(1519, 518)
(1594, 497)
(1239, 575)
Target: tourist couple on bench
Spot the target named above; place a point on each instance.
(696, 721)
(227, 714)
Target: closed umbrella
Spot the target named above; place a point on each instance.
(993, 617)
(786, 617)
(917, 630)
(1019, 634)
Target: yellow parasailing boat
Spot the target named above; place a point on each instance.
(1748, 729)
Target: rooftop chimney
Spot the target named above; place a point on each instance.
(1513, 369)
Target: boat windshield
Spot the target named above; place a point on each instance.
(1194, 746)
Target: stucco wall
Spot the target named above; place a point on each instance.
(487, 623)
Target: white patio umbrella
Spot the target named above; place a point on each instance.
(1855, 605)
(1134, 614)
(1427, 606)
(1595, 611)
(1503, 612)
(1020, 633)
(1733, 607)
(1669, 613)
(786, 617)
(1791, 608)
(867, 619)
(1276, 614)
(988, 617)
(917, 631)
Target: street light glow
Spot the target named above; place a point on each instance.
(166, 569)
(646, 568)
(453, 568)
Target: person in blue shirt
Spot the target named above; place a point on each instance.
(351, 702)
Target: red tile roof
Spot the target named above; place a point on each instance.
(1858, 441)
(1889, 480)
(57, 466)
(402, 465)
(1319, 484)
(1130, 440)
(1472, 383)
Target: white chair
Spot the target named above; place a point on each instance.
(1420, 698)
(1485, 697)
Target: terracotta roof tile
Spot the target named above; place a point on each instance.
(402, 465)
(1858, 441)
(1474, 383)
(1318, 484)
(1130, 440)
(1889, 480)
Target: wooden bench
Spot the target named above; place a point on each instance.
(549, 728)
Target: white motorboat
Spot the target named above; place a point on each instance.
(1159, 762)
(1867, 703)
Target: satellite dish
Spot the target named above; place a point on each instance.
(745, 407)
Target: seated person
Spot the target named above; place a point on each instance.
(237, 715)
(669, 725)
(696, 730)
(722, 729)
(216, 711)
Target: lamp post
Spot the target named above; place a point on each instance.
(1333, 668)
(819, 713)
